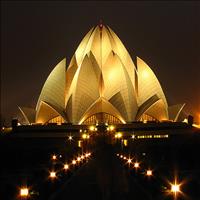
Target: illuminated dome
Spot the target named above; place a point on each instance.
(101, 84)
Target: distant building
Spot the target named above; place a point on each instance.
(101, 84)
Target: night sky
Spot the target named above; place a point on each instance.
(35, 36)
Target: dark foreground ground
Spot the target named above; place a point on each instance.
(27, 161)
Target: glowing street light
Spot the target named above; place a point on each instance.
(129, 161)
(79, 159)
(54, 157)
(118, 135)
(73, 162)
(175, 188)
(149, 172)
(87, 154)
(111, 128)
(52, 174)
(124, 158)
(121, 156)
(70, 138)
(85, 136)
(92, 128)
(66, 166)
(136, 165)
(82, 157)
(24, 192)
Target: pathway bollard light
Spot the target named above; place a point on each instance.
(54, 157)
(52, 175)
(24, 193)
(149, 173)
(73, 162)
(66, 166)
(136, 165)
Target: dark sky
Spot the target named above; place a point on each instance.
(35, 36)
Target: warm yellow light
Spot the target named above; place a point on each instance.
(54, 157)
(118, 135)
(79, 159)
(185, 120)
(52, 174)
(129, 161)
(82, 157)
(149, 172)
(125, 143)
(196, 126)
(81, 130)
(87, 154)
(133, 136)
(175, 188)
(66, 166)
(80, 143)
(85, 136)
(73, 162)
(136, 165)
(124, 158)
(92, 128)
(24, 192)
(121, 156)
(111, 128)
(117, 154)
(70, 137)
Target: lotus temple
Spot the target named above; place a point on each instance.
(101, 84)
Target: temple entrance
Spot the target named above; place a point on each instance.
(100, 118)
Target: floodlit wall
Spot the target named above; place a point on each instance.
(54, 88)
(148, 85)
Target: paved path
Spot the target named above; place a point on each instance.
(102, 178)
